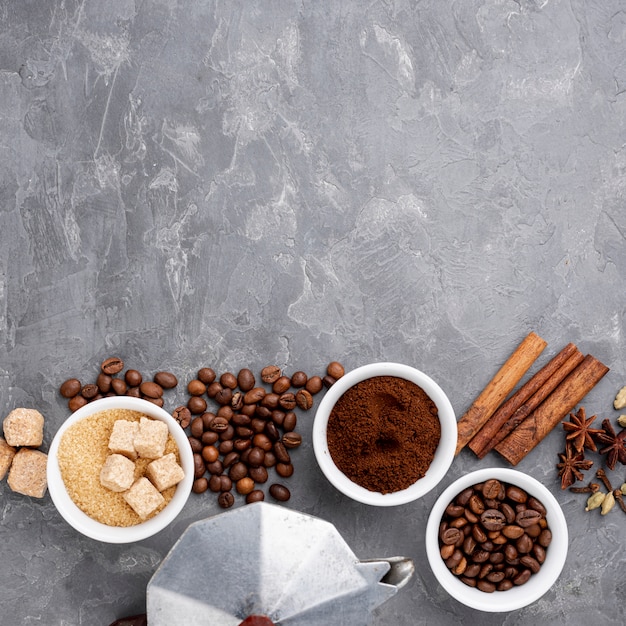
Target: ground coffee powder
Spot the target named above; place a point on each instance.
(383, 433)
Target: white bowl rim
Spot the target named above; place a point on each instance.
(443, 457)
(517, 597)
(93, 529)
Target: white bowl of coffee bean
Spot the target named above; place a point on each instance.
(496, 540)
(120, 469)
(385, 434)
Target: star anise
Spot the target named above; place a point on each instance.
(579, 431)
(615, 449)
(572, 462)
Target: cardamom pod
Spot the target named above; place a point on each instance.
(595, 500)
(608, 503)
(621, 420)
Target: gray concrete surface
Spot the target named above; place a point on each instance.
(242, 183)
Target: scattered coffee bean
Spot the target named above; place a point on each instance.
(228, 380)
(226, 499)
(299, 379)
(196, 387)
(328, 381)
(335, 370)
(166, 380)
(112, 366)
(151, 389)
(206, 375)
(304, 399)
(492, 534)
(196, 405)
(103, 382)
(255, 496)
(182, 415)
(292, 440)
(314, 385)
(279, 492)
(70, 388)
(270, 374)
(76, 403)
(245, 379)
(281, 385)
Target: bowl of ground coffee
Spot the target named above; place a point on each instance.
(496, 539)
(120, 469)
(385, 434)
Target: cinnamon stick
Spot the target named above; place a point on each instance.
(552, 410)
(498, 388)
(502, 422)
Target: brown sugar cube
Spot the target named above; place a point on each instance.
(151, 438)
(144, 498)
(7, 453)
(23, 427)
(165, 472)
(122, 438)
(117, 473)
(28, 473)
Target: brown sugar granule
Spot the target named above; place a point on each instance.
(83, 450)
(383, 433)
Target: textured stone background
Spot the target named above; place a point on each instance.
(241, 183)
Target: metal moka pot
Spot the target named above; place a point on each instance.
(264, 559)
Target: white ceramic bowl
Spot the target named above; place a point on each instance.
(102, 532)
(444, 454)
(516, 597)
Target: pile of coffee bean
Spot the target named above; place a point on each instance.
(494, 536)
(251, 431)
(112, 380)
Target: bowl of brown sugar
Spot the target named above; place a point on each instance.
(120, 469)
(385, 434)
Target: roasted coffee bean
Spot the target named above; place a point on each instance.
(533, 531)
(472, 570)
(196, 405)
(524, 544)
(469, 581)
(258, 474)
(527, 518)
(239, 419)
(158, 401)
(281, 385)
(290, 421)
(111, 366)
(226, 412)
(206, 375)
(119, 386)
(248, 409)
(224, 396)
(287, 401)
(258, 424)
(335, 369)
(210, 454)
(215, 483)
(451, 536)
(262, 441)
(244, 486)
(89, 392)
(236, 401)
(531, 563)
(200, 485)
(228, 380)
(216, 467)
(151, 389)
(245, 379)
(219, 424)
(304, 399)
(269, 460)
(284, 470)
(281, 452)
(476, 504)
(486, 586)
(479, 534)
(328, 381)
(237, 471)
(491, 489)
(454, 510)
(207, 419)
(230, 458)
(314, 385)
(199, 466)
(492, 519)
(255, 457)
(103, 382)
(70, 388)
(516, 494)
(263, 412)
(133, 392)
(272, 431)
(292, 440)
(539, 552)
(196, 445)
(226, 499)
(279, 492)
(446, 551)
(522, 577)
(505, 585)
(197, 427)
(469, 544)
(166, 380)
(227, 433)
(270, 400)
(534, 504)
(299, 379)
(512, 531)
(242, 444)
(133, 378)
(545, 538)
(209, 438)
(255, 395)
(182, 415)
(76, 403)
(255, 496)
(460, 568)
(213, 389)
(508, 511)
(454, 560)
(270, 374)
